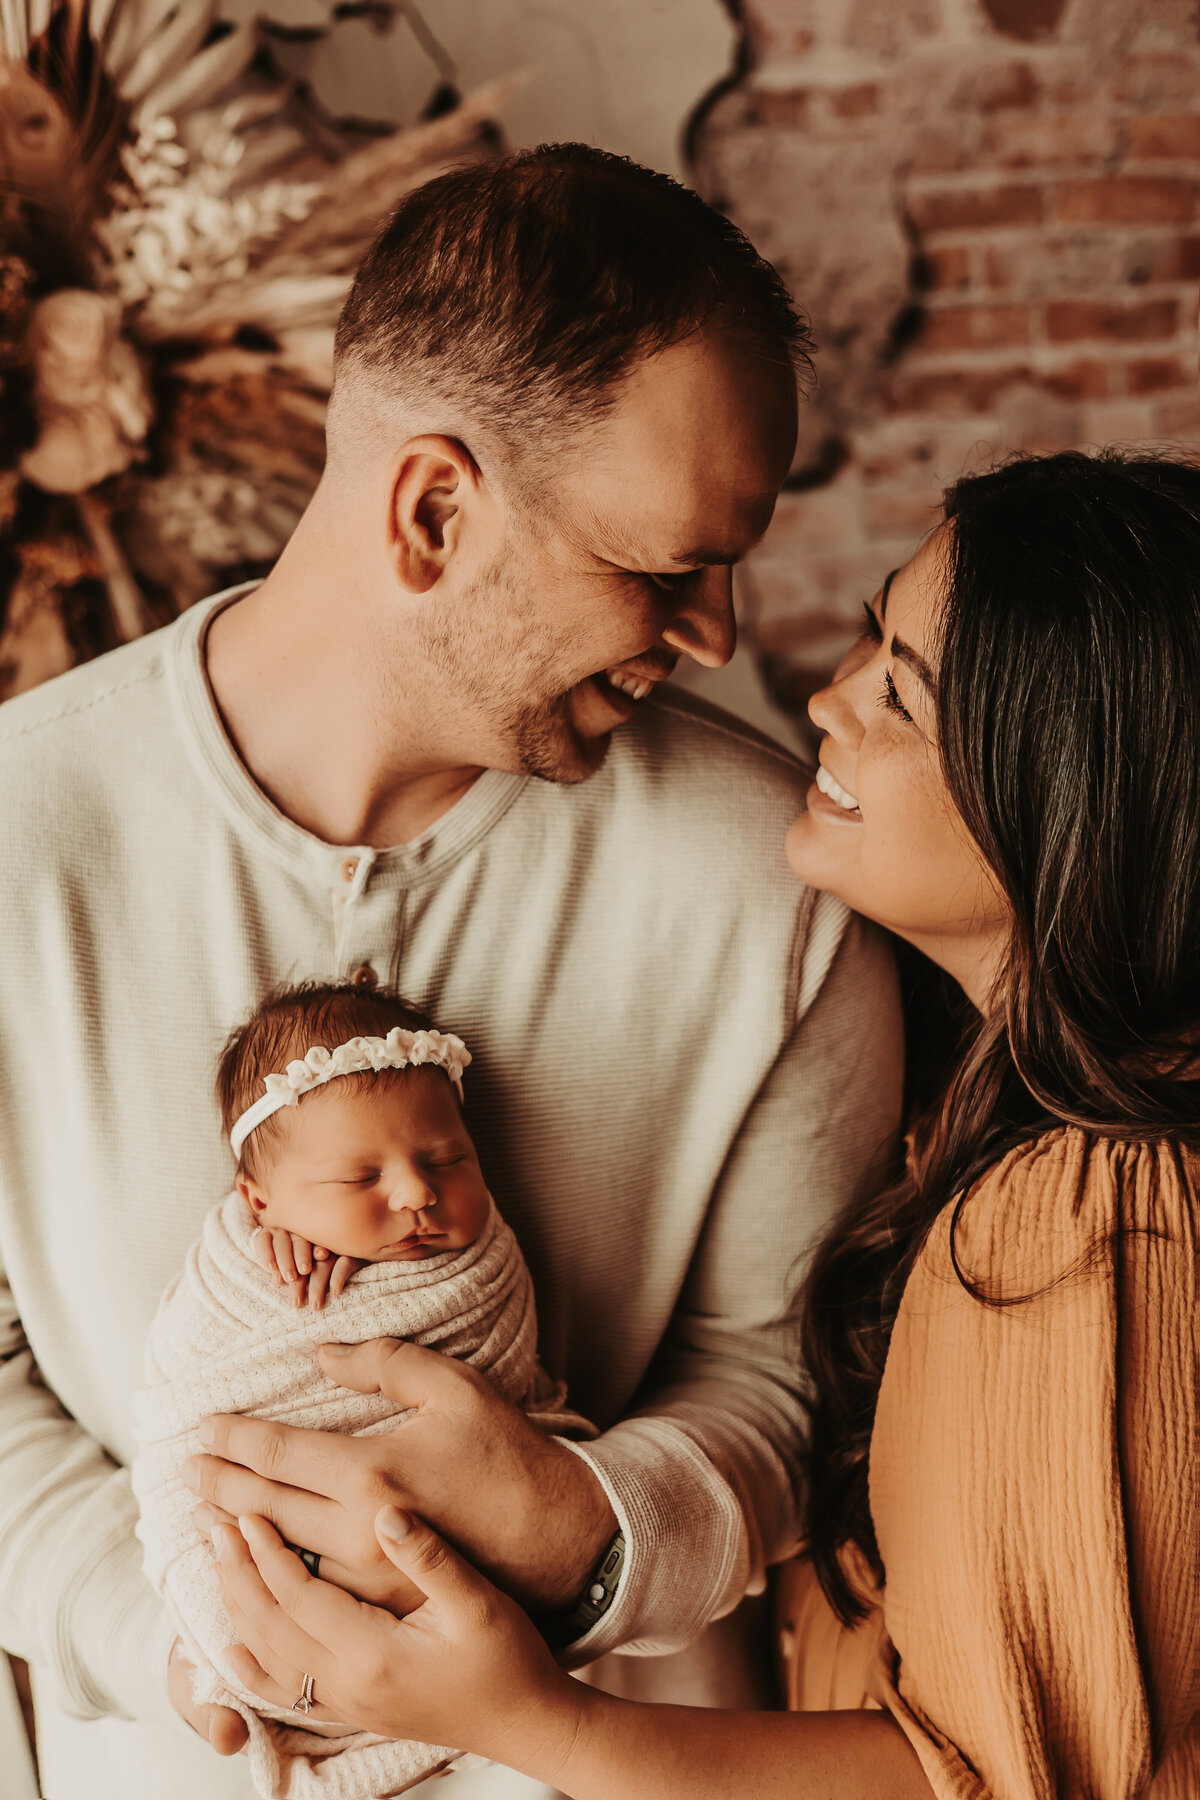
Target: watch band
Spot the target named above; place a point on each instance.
(562, 1628)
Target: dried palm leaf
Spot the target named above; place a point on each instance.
(179, 224)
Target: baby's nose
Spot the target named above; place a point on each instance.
(411, 1193)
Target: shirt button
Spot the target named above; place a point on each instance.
(349, 868)
(364, 977)
(597, 1592)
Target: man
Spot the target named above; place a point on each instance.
(432, 749)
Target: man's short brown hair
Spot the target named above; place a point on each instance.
(524, 289)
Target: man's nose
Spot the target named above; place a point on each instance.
(705, 629)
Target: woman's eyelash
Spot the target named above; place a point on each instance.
(870, 626)
(891, 701)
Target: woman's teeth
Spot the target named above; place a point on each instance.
(633, 685)
(829, 786)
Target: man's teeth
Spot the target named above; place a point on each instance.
(633, 685)
(829, 786)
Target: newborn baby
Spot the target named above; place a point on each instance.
(359, 1148)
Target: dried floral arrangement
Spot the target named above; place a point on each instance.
(179, 223)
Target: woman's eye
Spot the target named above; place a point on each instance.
(870, 627)
(891, 701)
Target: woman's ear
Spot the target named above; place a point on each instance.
(251, 1193)
(434, 479)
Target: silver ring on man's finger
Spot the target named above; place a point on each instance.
(303, 1703)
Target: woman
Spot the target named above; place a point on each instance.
(1009, 782)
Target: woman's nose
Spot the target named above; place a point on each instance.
(832, 710)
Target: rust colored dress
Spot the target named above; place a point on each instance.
(1035, 1488)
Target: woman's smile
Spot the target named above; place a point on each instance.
(829, 789)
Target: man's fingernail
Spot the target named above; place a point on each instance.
(205, 1431)
(394, 1524)
(337, 1349)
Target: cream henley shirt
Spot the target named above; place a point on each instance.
(684, 1063)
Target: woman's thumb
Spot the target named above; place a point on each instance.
(418, 1551)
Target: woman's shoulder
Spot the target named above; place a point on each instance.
(1053, 1206)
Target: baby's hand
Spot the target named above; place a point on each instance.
(310, 1271)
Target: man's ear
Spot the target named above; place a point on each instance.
(251, 1193)
(433, 482)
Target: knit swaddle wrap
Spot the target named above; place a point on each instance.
(226, 1338)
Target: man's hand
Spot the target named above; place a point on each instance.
(219, 1726)
(521, 1507)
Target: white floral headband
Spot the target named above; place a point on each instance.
(400, 1049)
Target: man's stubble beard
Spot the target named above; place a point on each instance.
(494, 671)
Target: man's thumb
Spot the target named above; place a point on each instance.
(418, 1551)
(389, 1366)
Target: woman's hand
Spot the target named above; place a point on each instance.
(310, 1271)
(465, 1669)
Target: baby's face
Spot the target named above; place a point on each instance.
(387, 1173)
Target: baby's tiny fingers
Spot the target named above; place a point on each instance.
(285, 1262)
(302, 1255)
(263, 1251)
(318, 1281)
(343, 1269)
(320, 1253)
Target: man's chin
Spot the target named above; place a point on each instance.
(552, 748)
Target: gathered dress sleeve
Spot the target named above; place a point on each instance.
(1035, 1483)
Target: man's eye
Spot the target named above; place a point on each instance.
(668, 583)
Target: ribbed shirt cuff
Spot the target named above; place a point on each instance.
(108, 1632)
(687, 1558)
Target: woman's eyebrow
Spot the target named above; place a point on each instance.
(906, 654)
(887, 588)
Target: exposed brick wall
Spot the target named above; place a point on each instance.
(998, 236)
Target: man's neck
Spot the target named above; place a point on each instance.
(300, 709)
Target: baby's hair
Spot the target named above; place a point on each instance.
(283, 1028)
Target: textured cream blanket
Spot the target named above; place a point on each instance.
(227, 1339)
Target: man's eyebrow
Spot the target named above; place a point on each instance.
(706, 556)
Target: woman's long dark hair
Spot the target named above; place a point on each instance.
(1068, 703)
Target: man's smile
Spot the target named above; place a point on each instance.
(634, 679)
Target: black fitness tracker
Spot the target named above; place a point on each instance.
(562, 1628)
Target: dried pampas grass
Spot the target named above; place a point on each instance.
(179, 224)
